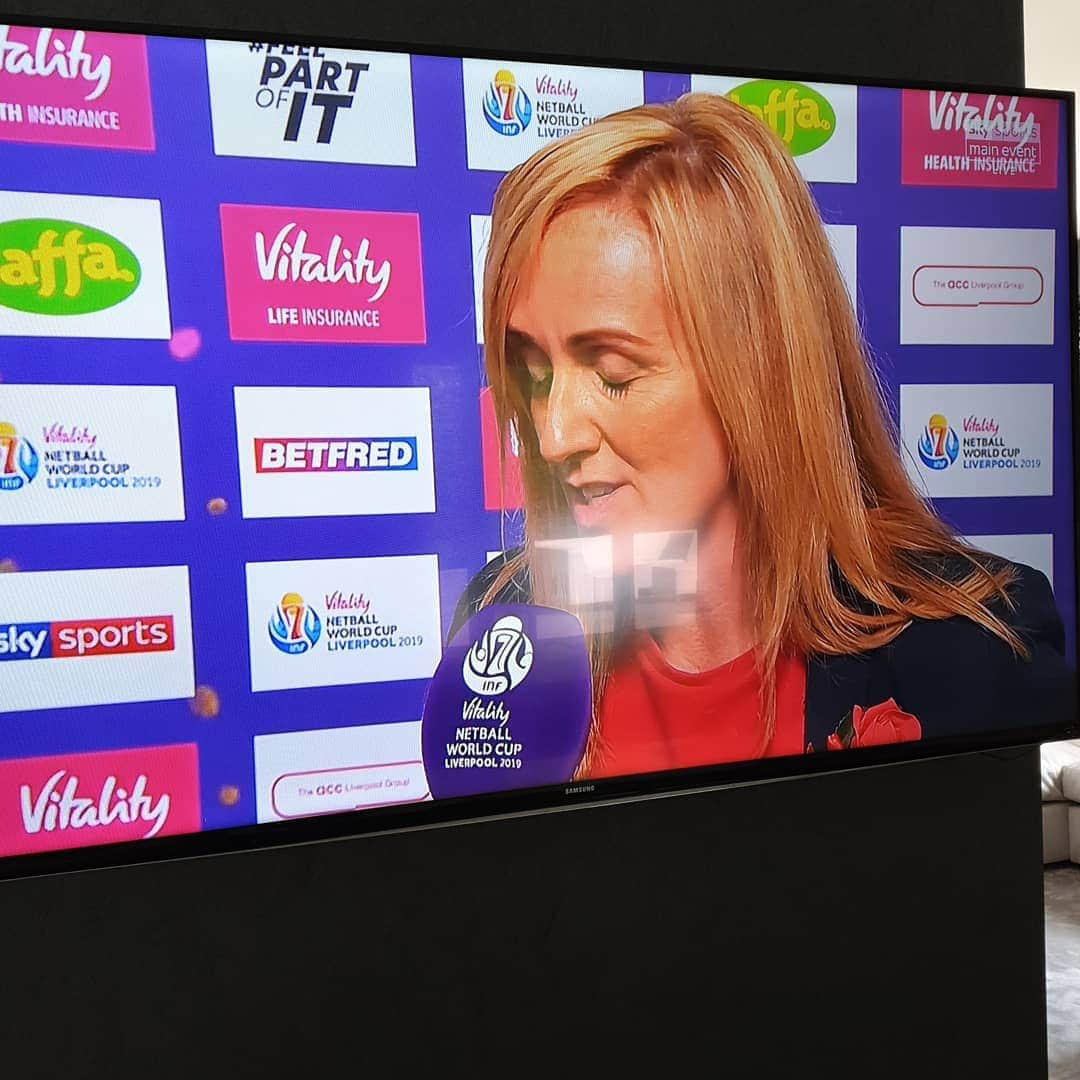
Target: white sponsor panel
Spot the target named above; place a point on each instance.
(310, 103)
(93, 267)
(330, 622)
(71, 454)
(326, 451)
(978, 440)
(303, 773)
(1031, 549)
(844, 242)
(94, 637)
(480, 226)
(800, 118)
(976, 286)
(512, 109)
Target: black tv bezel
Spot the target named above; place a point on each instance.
(577, 795)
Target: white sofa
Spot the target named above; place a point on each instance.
(1061, 801)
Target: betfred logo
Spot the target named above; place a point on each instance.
(293, 462)
(951, 139)
(301, 274)
(86, 637)
(503, 488)
(78, 800)
(74, 88)
(283, 455)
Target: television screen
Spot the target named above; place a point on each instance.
(391, 439)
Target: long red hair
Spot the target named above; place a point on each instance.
(825, 502)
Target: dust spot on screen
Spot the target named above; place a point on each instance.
(206, 703)
(185, 343)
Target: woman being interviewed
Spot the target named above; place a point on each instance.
(666, 329)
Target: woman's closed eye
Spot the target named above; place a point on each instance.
(613, 388)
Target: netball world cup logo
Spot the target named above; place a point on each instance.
(18, 459)
(939, 444)
(295, 627)
(500, 659)
(507, 107)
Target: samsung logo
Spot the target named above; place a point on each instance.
(579, 789)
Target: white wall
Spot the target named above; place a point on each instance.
(1052, 45)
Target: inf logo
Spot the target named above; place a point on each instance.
(500, 660)
(18, 459)
(938, 444)
(295, 627)
(507, 107)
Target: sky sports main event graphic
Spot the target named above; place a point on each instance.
(75, 88)
(73, 454)
(313, 451)
(303, 274)
(954, 139)
(311, 103)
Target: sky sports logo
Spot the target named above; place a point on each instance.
(337, 454)
(86, 637)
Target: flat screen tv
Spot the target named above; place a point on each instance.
(389, 439)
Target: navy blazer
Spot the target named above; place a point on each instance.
(955, 677)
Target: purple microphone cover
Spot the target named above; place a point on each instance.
(509, 704)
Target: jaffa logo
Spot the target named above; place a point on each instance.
(802, 117)
(500, 659)
(295, 627)
(507, 107)
(52, 267)
(18, 459)
(939, 445)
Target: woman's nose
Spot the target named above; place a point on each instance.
(566, 426)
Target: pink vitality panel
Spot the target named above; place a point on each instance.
(77, 800)
(952, 139)
(75, 88)
(303, 274)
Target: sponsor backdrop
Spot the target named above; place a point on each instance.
(247, 463)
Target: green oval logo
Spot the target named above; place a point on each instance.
(50, 267)
(802, 117)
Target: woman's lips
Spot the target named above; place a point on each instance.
(595, 504)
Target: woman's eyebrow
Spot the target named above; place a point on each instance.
(614, 335)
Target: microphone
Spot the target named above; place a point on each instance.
(509, 704)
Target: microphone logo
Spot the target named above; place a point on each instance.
(500, 659)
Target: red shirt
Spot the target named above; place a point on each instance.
(655, 717)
